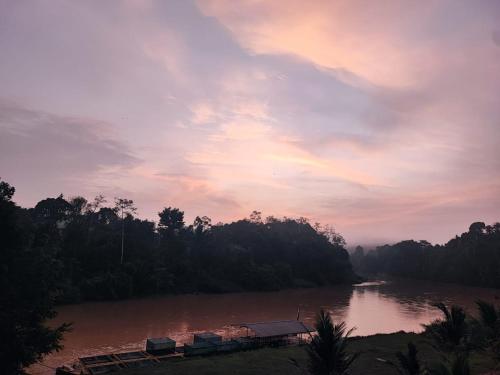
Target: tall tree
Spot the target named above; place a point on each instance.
(171, 220)
(124, 207)
(201, 225)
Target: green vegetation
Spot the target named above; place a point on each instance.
(327, 350)
(443, 349)
(105, 252)
(28, 278)
(472, 258)
(456, 336)
(278, 360)
(450, 333)
(409, 363)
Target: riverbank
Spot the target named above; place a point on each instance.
(278, 361)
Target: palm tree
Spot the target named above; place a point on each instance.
(459, 366)
(489, 316)
(450, 332)
(328, 349)
(409, 364)
(489, 319)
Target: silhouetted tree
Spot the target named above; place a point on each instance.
(6, 191)
(327, 350)
(86, 239)
(28, 280)
(459, 366)
(489, 329)
(201, 224)
(409, 363)
(256, 217)
(471, 258)
(171, 220)
(450, 332)
(124, 207)
(489, 317)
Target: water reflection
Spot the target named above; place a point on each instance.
(375, 307)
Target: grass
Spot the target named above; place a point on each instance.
(277, 360)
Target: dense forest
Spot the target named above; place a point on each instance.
(472, 258)
(102, 251)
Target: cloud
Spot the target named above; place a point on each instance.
(381, 119)
(388, 44)
(56, 153)
(202, 114)
(194, 194)
(329, 34)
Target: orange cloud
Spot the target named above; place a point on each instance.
(364, 37)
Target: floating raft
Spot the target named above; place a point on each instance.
(277, 333)
(103, 364)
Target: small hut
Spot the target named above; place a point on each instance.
(276, 333)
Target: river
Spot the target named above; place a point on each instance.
(374, 307)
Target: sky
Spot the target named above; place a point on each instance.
(380, 118)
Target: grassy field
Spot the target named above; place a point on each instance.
(277, 360)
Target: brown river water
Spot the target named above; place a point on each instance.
(375, 307)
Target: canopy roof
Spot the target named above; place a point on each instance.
(277, 328)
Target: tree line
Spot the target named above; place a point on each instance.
(472, 258)
(103, 251)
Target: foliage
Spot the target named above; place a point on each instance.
(472, 258)
(409, 363)
(449, 333)
(108, 253)
(489, 317)
(487, 329)
(459, 366)
(123, 206)
(327, 350)
(28, 279)
(277, 360)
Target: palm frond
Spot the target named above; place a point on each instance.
(487, 314)
(328, 354)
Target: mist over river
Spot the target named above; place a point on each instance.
(374, 307)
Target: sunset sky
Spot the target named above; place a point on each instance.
(381, 118)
